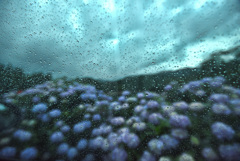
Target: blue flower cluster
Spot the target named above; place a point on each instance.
(71, 121)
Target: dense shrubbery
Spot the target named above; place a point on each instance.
(15, 79)
(71, 121)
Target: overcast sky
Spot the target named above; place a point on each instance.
(112, 39)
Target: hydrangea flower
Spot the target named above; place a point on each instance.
(63, 148)
(29, 153)
(155, 118)
(222, 131)
(169, 142)
(152, 104)
(221, 109)
(196, 106)
(156, 146)
(22, 135)
(219, 98)
(96, 117)
(72, 153)
(132, 140)
(181, 105)
(117, 121)
(55, 113)
(57, 137)
(230, 152)
(179, 133)
(118, 154)
(186, 157)
(8, 152)
(209, 154)
(139, 126)
(147, 156)
(180, 121)
(65, 129)
(39, 108)
(82, 144)
(140, 95)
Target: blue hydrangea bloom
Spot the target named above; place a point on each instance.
(22, 135)
(82, 144)
(29, 153)
(180, 121)
(81, 126)
(55, 113)
(96, 117)
(72, 153)
(88, 96)
(8, 152)
(230, 152)
(209, 154)
(65, 128)
(119, 154)
(56, 137)
(147, 157)
(219, 98)
(221, 109)
(169, 142)
(152, 104)
(222, 131)
(63, 148)
(156, 146)
(39, 108)
(126, 93)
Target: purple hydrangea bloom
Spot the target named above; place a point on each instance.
(156, 146)
(44, 117)
(113, 140)
(144, 114)
(147, 157)
(182, 105)
(139, 126)
(39, 108)
(155, 118)
(8, 152)
(82, 144)
(63, 148)
(169, 142)
(122, 99)
(230, 152)
(152, 104)
(235, 102)
(35, 99)
(72, 153)
(89, 157)
(59, 123)
(29, 153)
(56, 137)
(52, 99)
(179, 133)
(196, 106)
(209, 154)
(138, 109)
(118, 154)
(96, 117)
(65, 128)
(55, 113)
(88, 96)
(117, 121)
(167, 87)
(180, 121)
(102, 103)
(132, 140)
(221, 109)
(87, 116)
(219, 98)
(22, 135)
(96, 142)
(143, 102)
(126, 93)
(140, 95)
(222, 131)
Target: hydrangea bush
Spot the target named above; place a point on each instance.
(71, 121)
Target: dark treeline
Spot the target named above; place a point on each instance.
(12, 78)
(15, 79)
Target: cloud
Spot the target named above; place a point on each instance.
(109, 39)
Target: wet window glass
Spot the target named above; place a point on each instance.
(120, 80)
